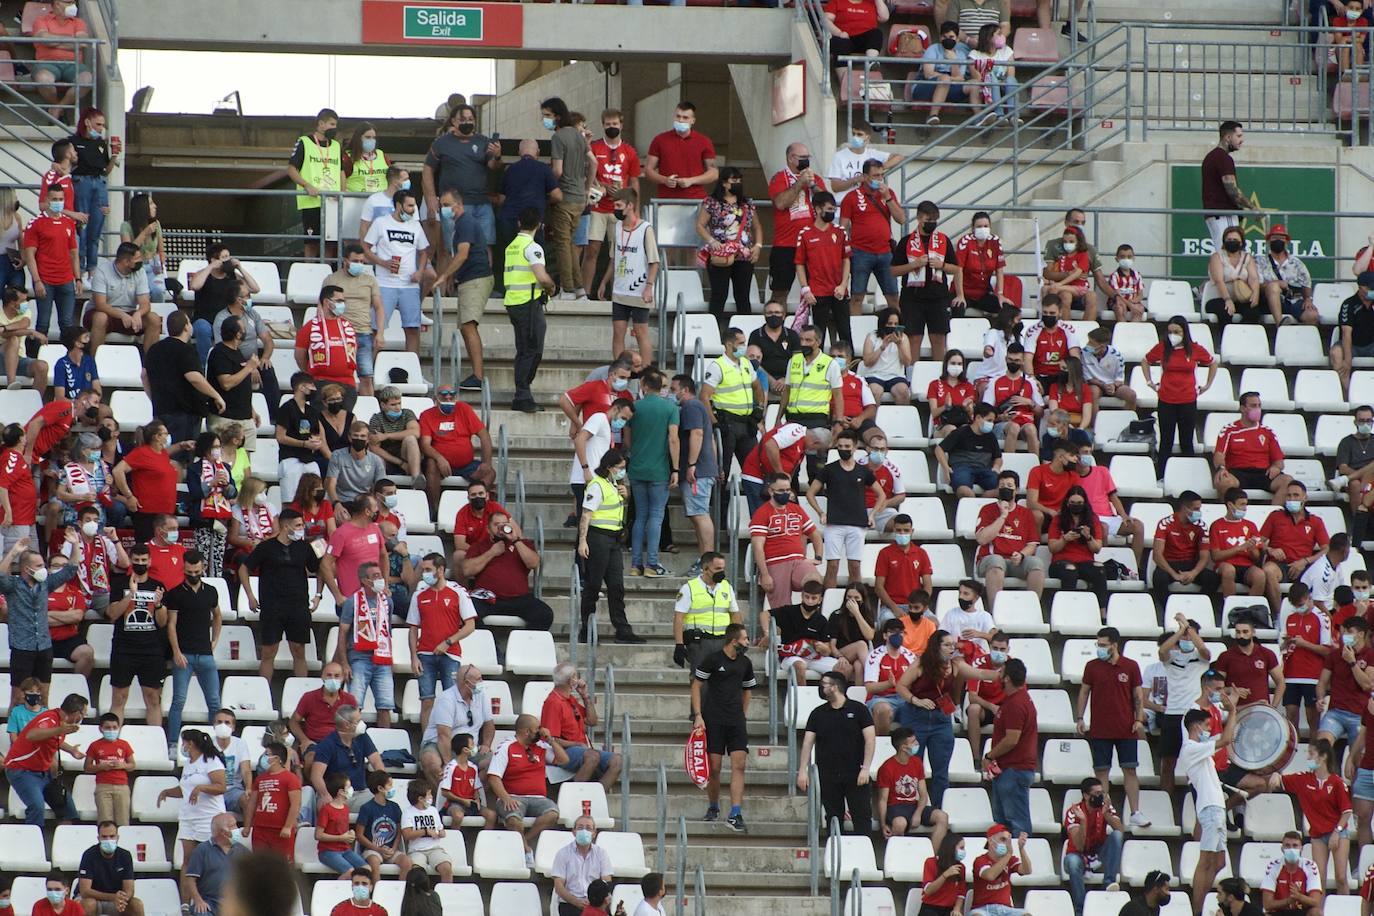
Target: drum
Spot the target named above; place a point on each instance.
(1265, 740)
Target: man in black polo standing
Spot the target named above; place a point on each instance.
(173, 378)
(282, 565)
(842, 733)
(721, 686)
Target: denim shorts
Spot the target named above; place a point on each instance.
(436, 667)
(968, 476)
(696, 498)
(1363, 786)
(1000, 909)
(365, 355)
(341, 862)
(577, 753)
(893, 702)
(1127, 753)
(1340, 723)
(878, 264)
(378, 677)
(404, 298)
(1212, 821)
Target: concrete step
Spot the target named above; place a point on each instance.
(739, 859)
(781, 809)
(661, 705)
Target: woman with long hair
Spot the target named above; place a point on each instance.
(419, 898)
(727, 224)
(335, 417)
(11, 233)
(945, 879)
(854, 624)
(927, 690)
(364, 168)
(887, 358)
(201, 789)
(1005, 329)
(1072, 395)
(143, 229)
(1235, 281)
(950, 397)
(1178, 389)
(312, 502)
(210, 487)
(1075, 537)
(1325, 800)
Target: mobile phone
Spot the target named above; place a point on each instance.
(803, 163)
(496, 137)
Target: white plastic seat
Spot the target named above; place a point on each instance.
(1168, 298)
(1134, 339)
(19, 405)
(188, 267)
(870, 901)
(965, 335)
(463, 899)
(530, 653)
(855, 852)
(479, 648)
(1158, 807)
(1222, 394)
(928, 515)
(691, 329)
(158, 895)
(1327, 297)
(1318, 390)
(904, 858)
(414, 508)
(451, 503)
(948, 563)
(1019, 612)
(547, 848)
(265, 462)
(511, 897)
(1194, 607)
(1035, 652)
(1066, 761)
(328, 893)
(1246, 345)
(575, 798)
(915, 471)
(499, 854)
(1332, 428)
(966, 513)
(69, 844)
(1299, 345)
(902, 424)
(250, 696)
(1054, 711)
(148, 839)
(386, 360)
(1182, 473)
(1268, 817)
(1187, 860)
(132, 409)
(626, 851)
(1074, 657)
(533, 697)
(1074, 614)
(1255, 858)
(1272, 386)
(1135, 477)
(687, 282)
(120, 366)
(1140, 857)
(969, 809)
(22, 848)
(1133, 615)
(237, 649)
(393, 739)
(143, 798)
(268, 278)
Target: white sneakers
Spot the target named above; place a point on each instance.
(1138, 820)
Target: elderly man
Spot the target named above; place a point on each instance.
(346, 750)
(313, 717)
(567, 712)
(459, 709)
(518, 782)
(790, 189)
(500, 563)
(105, 878)
(207, 870)
(577, 865)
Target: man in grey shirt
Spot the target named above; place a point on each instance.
(354, 471)
(207, 869)
(460, 159)
(120, 303)
(568, 157)
(697, 452)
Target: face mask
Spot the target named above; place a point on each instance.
(1349, 14)
(1231, 245)
(224, 730)
(1075, 507)
(379, 585)
(1125, 263)
(1253, 414)
(1070, 245)
(620, 216)
(1291, 856)
(618, 474)
(895, 640)
(1087, 461)
(1104, 653)
(391, 792)
(429, 578)
(1244, 643)
(1014, 368)
(1195, 517)
(90, 528)
(369, 145)
(982, 233)
(718, 577)
(1097, 801)
(999, 850)
(965, 603)
(948, 43)
(1348, 640)
(40, 574)
(740, 352)
(998, 657)
(845, 453)
(617, 424)
(827, 216)
(106, 733)
(985, 427)
(874, 184)
(265, 762)
(681, 128)
(610, 132)
(331, 133)
(1236, 514)
(332, 684)
(1050, 321)
(1292, 506)
(782, 498)
(1302, 609)
(958, 855)
(296, 534)
(619, 384)
(1175, 340)
(856, 143)
(773, 321)
(548, 123)
(56, 898)
(956, 370)
(355, 268)
(54, 207)
(1185, 646)
(1214, 697)
(362, 893)
(1364, 429)
(139, 569)
(583, 837)
(1311, 764)
(405, 185)
(808, 352)
(1361, 594)
(1278, 246)
(359, 729)
(902, 539)
(876, 457)
(928, 227)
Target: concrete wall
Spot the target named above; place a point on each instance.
(816, 128)
(515, 111)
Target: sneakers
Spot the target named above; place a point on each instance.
(471, 383)
(529, 859)
(1339, 482)
(630, 638)
(1113, 887)
(654, 572)
(636, 571)
(933, 119)
(712, 814)
(566, 296)
(1138, 819)
(736, 823)
(694, 570)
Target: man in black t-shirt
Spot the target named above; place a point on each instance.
(232, 376)
(215, 286)
(846, 516)
(805, 639)
(193, 623)
(842, 734)
(926, 260)
(777, 344)
(1153, 896)
(139, 648)
(105, 880)
(1354, 334)
(178, 388)
(283, 565)
(971, 456)
(300, 438)
(721, 686)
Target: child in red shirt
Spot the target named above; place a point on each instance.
(111, 759)
(458, 787)
(333, 837)
(1073, 270)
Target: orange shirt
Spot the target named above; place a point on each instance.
(71, 27)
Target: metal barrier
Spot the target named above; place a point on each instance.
(661, 852)
(575, 615)
(520, 496)
(608, 710)
(539, 548)
(789, 715)
(486, 402)
(436, 331)
(813, 825)
(502, 463)
(770, 669)
(626, 760)
(699, 904)
(18, 98)
(813, 12)
(681, 886)
(734, 510)
(835, 854)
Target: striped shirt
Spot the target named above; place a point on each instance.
(972, 16)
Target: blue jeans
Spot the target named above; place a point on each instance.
(1110, 854)
(867, 263)
(203, 667)
(91, 195)
(651, 501)
(157, 282)
(13, 276)
(365, 675)
(64, 297)
(29, 786)
(934, 732)
(342, 861)
(204, 333)
(1011, 800)
(436, 667)
(365, 362)
(1003, 93)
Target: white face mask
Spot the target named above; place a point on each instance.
(1176, 340)
(223, 730)
(956, 370)
(90, 528)
(379, 585)
(1125, 263)
(982, 233)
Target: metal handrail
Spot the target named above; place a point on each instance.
(593, 640)
(699, 904)
(575, 617)
(680, 333)
(436, 330)
(608, 710)
(456, 358)
(539, 547)
(813, 825)
(834, 851)
(733, 510)
(681, 885)
(770, 665)
(626, 751)
(502, 463)
(660, 852)
(486, 403)
(110, 13)
(520, 496)
(789, 714)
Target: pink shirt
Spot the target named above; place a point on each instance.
(350, 546)
(1099, 485)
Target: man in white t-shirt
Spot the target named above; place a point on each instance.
(1185, 657)
(1324, 575)
(1195, 758)
(592, 441)
(396, 246)
(1156, 687)
(379, 203)
(238, 759)
(847, 165)
(969, 622)
(654, 890)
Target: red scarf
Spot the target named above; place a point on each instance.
(213, 505)
(372, 625)
(95, 566)
(78, 477)
(916, 248)
(322, 342)
(258, 521)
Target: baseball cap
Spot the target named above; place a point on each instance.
(1276, 231)
(1366, 279)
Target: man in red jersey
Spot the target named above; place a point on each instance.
(18, 495)
(1018, 401)
(866, 213)
(992, 870)
(1048, 342)
(985, 697)
(1250, 668)
(1049, 483)
(1305, 640)
(1294, 539)
(776, 532)
(29, 763)
(1248, 454)
(447, 431)
(1182, 551)
(1085, 827)
(822, 268)
(1237, 547)
(617, 167)
(1112, 696)
(595, 396)
(1347, 677)
(883, 668)
(1007, 535)
(791, 189)
(682, 160)
(901, 568)
(53, 262)
(275, 804)
(1292, 885)
(517, 781)
(903, 802)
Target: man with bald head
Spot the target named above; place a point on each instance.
(528, 182)
(461, 708)
(517, 781)
(791, 189)
(203, 878)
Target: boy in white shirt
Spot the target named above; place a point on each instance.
(1323, 575)
(968, 622)
(423, 830)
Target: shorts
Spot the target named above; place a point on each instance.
(466, 470)
(1126, 750)
(1251, 478)
(472, 298)
(999, 909)
(526, 806)
(1363, 786)
(1170, 736)
(1111, 524)
(1231, 776)
(819, 665)
(1362, 350)
(632, 313)
(892, 702)
(1002, 427)
(233, 797)
(310, 221)
(65, 648)
(431, 858)
(577, 754)
(782, 271)
(1292, 303)
(696, 498)
(1298, 694)
(367, 854)
(1020, 570)
(601, 227)
(884, 518)
(365, 365)
(925, 91)
(844, 542)
(271, 838)
(1340, 723)
(1212, 822)
(404, 298)
(25, 364)
(149, 669)
(925, 314)
(63, 71)
(27, 663)
(436, 669)
(293, 624)
(908, 814)
(887, 384)
(878, 264)
(967, 475)
(727, 737)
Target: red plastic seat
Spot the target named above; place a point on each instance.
(32, 10)
(1051, 94)
(1023, 9)
(1345, 100)
(1036, 46)
(898, 30)
(851, 87)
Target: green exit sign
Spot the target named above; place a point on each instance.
(443, 23)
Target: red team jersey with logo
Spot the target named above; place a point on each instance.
(1252, 447)
(902, 781)
(615, 167)
(882, 666)
(17, 479)
(782, 530)
(1017, 531)
(1005, 387)
(1182, 541)
(1303, 666)
(980, 262)
(274, 799)
(1297, 539)
(1323, 801)
(1226, 534)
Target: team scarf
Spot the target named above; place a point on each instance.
(372, 624)
(213, 505)
(258, 521)
(95, 483)
(322, 341)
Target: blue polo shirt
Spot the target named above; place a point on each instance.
(340, 758)
(526, 183)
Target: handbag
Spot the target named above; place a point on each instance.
(1138, 431)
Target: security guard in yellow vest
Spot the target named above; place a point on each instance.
(527, 283)
(813, 394)
(732, 392)
(598, 544)
(316, 166)
(705, 606)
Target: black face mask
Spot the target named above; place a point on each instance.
(1013, 368)
(317, 496)
(1097, 801)
(782, 498)
(1050, 321)
(33, 699)
(192, 580)
(334, 406)
(105, 434)
(1231, 245)
(718, 577)
(611, 132)
(1006, 495)
(331, 133)
(620, 215)
(965, 604)
(808, 352)
(358, 444)
(139, 569)
(1244, 643)
(928, 226)
(845, 453)
(466, 127)
(1076, 508)
(948, 43)
(92, 413)
(773, 321)
(827, 216)
(1278, 246)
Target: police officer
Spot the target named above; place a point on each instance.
(705, 606)
(600, 531)
(731, 389)
(527, 283)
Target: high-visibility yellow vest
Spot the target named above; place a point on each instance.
(710, 611)
(521, 284)
(610, 516)
(735, 393)
(322, 168)
(808, 390)
(368, 174)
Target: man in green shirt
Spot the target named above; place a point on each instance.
(652, 440)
